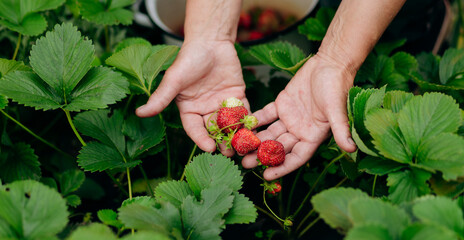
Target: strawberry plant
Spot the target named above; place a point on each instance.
(76, 163)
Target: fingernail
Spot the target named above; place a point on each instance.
(350, 140)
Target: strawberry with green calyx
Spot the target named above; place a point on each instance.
(229, 118)
(274, 188)
(271, 153)
(245, 141)
(232, 102)
(250, 122)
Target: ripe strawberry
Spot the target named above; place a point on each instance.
(268, 21)
(254, 35)
(274, 188)
(228, 116)
(271, 153)
(245, 141)
(244, 20)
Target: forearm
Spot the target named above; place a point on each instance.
(212, 20)
(356, 28)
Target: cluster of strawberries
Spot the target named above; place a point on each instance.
(232, 127)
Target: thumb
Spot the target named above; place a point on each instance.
(338, 120)
(160, 99)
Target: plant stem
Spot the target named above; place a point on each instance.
(68, 116)
(373, 185)
(190, 159)
(147, 181)
(168, 151)
(313, 210)
(292, 190)
(316, 182)
(270, 210)
(258, 176)
(107, 39)
(309, 226)
(117, 183)
(129, 183)
(35, 135)
(270, 215)
(18, 43)
(129, 100)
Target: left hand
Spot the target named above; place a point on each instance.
(312, 104)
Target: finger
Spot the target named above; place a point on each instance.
(338, 120)
(249, 161)
(194, 126)
(161, 98)
(288, 140)
(226, 152)
(301, 153)
(267, 114)
(273, 131)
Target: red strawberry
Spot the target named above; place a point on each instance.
(228, 116)
(245, 141)
(254, 35)
(271, 153)
(244, 20)
(268, 21)
(274, 188)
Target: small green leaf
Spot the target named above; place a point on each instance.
(173, 191)
(207, 170)
(405, 63)
(99, 157)
(428, 67)
(70, 181)
(451, 65)
(73, 200)
(203, 220)
(285, 54)
(100, 13)
(145, 235)
(379, 166)
(131, 41)
(420, 231)
(19, 163)
(443, 152)
(407, 185)
(384, 129)
(385, 48)
(163, 217)
(440, 211)
(93, 231)
(349, 168)
(3, 102)
(315, 28)
(375, 211)
(332, 206)
(242, 211)
(155, 62)
(109, 217)
(369, 232)
(31, 210)
(425, 116)
(21, 16)
(354, 91)
(283, 61)
(143, 133)
(7, 66)
(395, 100)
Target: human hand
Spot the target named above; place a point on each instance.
(202, 76)
(312, 104)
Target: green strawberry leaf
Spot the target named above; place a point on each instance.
(243, 211)
(70, 181)
(108, 12)
(332, 206)
(203, 220)
(395, 100)
(315, 28)
(369, 232)
(280, 55)
(423, 231)
(73, 200)
(31, 210)
(386, 48)
(21, 16)
(92, 231)
(443, 152)
(440, 211)
(7, 66)
(383, 127)
(110, 218)
(246, 59)
(155, 63)
(19, 163)
(428, 67)
(163, 217)
(425, 116)
(63, 76)
(429, 86)
(379, 166)
(100, 157)
(131, 41)
(405, 63)
(407, 185)
(354, 91)
(143, 134)
(3, 102)
(206, 171)
(173, 191)
(451, 66)
(363, 211)
(144, 235)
